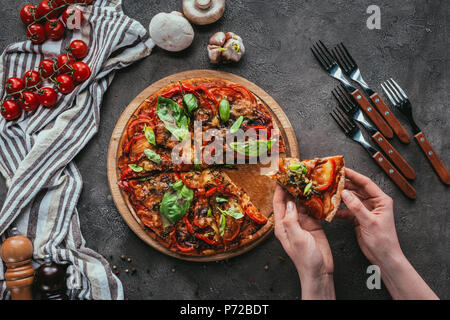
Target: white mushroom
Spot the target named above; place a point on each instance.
(203, 11)
(171, 31)
(227, 47)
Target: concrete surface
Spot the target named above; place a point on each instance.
(412, 47)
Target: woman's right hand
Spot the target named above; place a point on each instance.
(372, 213)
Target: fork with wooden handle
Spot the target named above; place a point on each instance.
(347, 104)
(351, 69)
(399, 99)
(353, 132)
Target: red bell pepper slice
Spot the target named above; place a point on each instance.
(180, 247)
(171, 92)
(133, 141)
(198, 235)
(125, 173)
(255, 215)
(211, 191)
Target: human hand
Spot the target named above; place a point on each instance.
(303, 239)
(372, 213)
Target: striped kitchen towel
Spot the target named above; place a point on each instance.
(37, 150)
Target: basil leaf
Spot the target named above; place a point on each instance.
(209, 212)
(307, 187)
(252, 148)
(224, 110)
(232, 212)
(176, 202)
(236, 125)
(135, 167)
(222, 224)
(173, 117)
(152, 155)
(221, 200)
(190, 101)
(150, 135)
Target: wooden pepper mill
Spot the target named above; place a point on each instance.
(50, 279)
(16, 252)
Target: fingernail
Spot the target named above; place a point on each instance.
(290, 205)
(346, 195)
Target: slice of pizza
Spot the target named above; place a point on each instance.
(316, 183)
(195, 212)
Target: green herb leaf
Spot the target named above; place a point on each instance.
(150, 135)
(298, 167)
(209, 212)
(173, 117)
(176, 202)
(232, 212)
(224, 110)
(221, 200)
(135, 167)
(152, 155)
(222, 224)
(236, 125)
(307, 187)
(190, 101)
(252, 148)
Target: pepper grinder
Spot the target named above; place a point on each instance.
(50, 278)
(16, 252)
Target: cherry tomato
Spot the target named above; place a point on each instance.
(28, 101)
(65, 62)
(10, 110)
(47, 96)
(36, 33)
(69, 14)
(28, 13)
(86, 1)
(63, 2)
(14, 84)
(324, 174)
(45, 7)
(47, 67)
(81, 71)
(64, 83)
(54, 29)
(78, 48)
(31, 78)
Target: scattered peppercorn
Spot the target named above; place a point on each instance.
(114, 267)
(129, 259)
(282, 258)
(133, 270)
(266, 267)
(122, 257)
(126, 270)
(173, 270)
(117, 272)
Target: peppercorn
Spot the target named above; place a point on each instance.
(122, 257)
(129, 260)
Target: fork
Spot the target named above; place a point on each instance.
(326, 60)
(353, 132)
(400, 100)
(348, 105)
(351, 69)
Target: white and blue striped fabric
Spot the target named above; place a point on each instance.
(37, 150)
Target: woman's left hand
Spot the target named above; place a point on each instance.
(304, 240)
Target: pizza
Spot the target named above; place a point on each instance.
(165, 123)
(192, 207)
(316, 183)
(196, 212)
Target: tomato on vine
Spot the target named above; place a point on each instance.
(54, 29)
(28, 101)
(28, 13)
(47, 67)
(36, 33)
(81, 71)
(65, 62)
(64, 83)
(78, 48)
(46, 7)
(47, 96)
(31, 78)
(14, 84)
(10, 110)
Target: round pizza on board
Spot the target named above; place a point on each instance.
(192, 207)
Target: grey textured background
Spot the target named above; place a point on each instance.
(412, 47)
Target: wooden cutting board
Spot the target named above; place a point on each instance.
(260, 188)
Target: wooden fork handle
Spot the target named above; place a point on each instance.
(394, 155)
(390, 118)
(394, 175)
(436, 162)
(372, 114)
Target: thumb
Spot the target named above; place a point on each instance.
(354, 205)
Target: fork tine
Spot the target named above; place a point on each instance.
(351, 61)
(342, 120)
(347, 98)
(342, 59)
(386, 92)
(399, 89)
(319, 58)
(341, 100)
